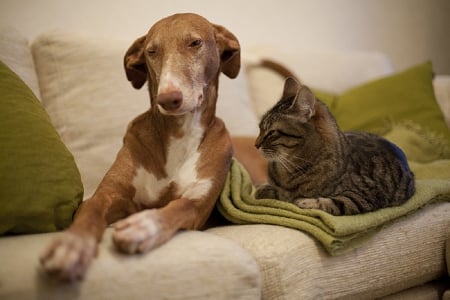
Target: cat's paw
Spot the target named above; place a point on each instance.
(325, 204)
(140, 232)
(307, 203)
(69, 256)
(266, 191)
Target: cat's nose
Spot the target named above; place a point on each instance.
(258, 142)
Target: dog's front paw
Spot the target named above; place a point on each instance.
(68, 256)
(139, 233)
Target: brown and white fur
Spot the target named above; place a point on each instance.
(175, 157)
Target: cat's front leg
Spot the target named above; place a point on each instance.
(266, 191)
(325, 204)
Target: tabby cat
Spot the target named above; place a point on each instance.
(315, 165)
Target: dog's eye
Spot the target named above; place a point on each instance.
(151, 51)
(195, 43)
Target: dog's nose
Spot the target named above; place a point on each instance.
(170, 101)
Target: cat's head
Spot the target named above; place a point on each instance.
(295, 125)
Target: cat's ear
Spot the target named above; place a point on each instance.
(301, 97)
(291, 88)
(306, 102)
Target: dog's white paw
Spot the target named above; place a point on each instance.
(139, 233)
(68, 256)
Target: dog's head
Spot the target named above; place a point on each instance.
(181, 56)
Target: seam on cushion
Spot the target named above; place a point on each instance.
(45, 41)
(272, 283)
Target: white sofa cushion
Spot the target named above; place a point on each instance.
(192, 265)
(90, 101)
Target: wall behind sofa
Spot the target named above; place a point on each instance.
(409, 31)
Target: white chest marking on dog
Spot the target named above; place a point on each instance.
(181, 168)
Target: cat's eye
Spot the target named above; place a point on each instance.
(273, 133)
(293, 135)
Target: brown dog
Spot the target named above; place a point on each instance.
(175, 157)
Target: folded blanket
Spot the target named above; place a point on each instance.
(338, 234)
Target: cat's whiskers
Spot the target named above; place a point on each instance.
(285, 163)
(268, 153)
(271, 154)
(302, 168)
(293, 168)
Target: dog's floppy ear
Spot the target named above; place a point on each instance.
(134, 63)
(229, 50)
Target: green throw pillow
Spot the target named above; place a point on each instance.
(402, 107)
(40, 186)
(404, 97)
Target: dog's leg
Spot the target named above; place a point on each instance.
(71, 252)
(69, 255)
(150, 228)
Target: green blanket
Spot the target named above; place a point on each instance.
(338, 234)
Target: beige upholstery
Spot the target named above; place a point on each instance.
(294, 266)
(194, 265)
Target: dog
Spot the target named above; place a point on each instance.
(175, 157)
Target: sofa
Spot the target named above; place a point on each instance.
(77, 85)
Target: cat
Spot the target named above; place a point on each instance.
(315, 165)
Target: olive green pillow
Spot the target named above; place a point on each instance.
(40, 186)
(407, 96)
